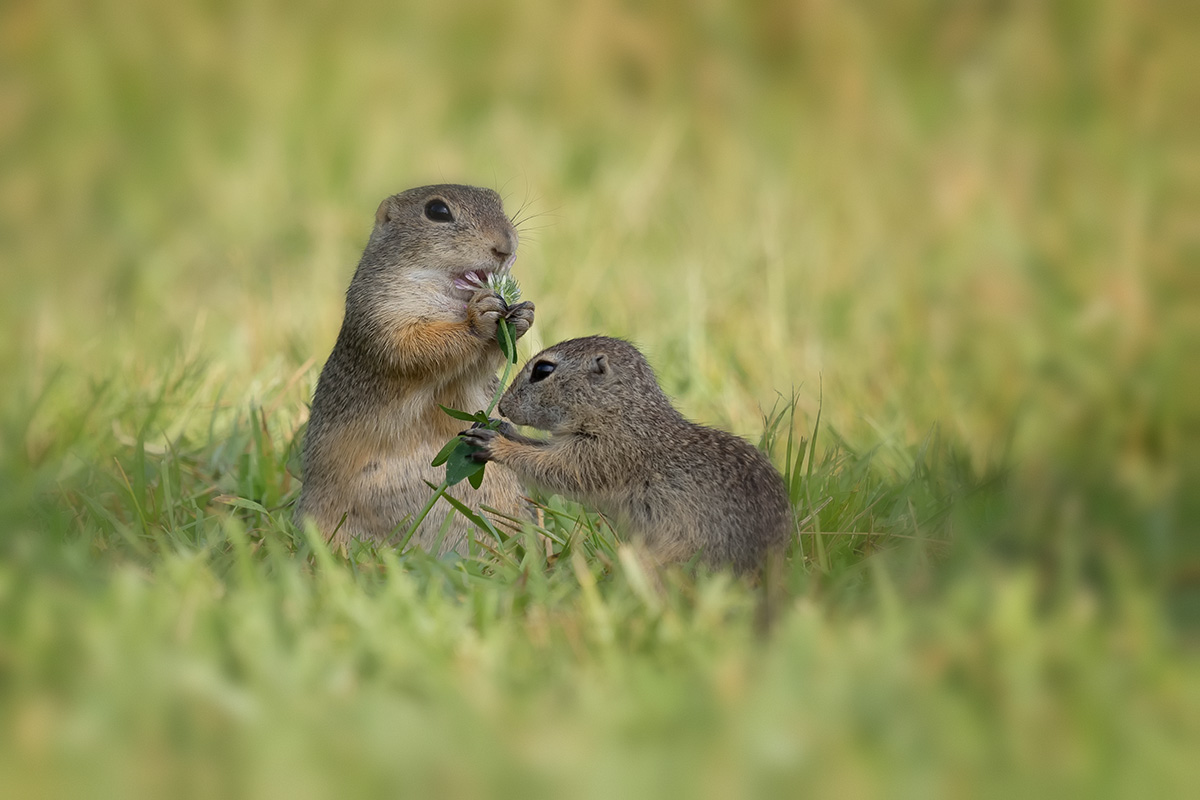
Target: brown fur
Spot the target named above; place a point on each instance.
(409, 341)
(619, 445)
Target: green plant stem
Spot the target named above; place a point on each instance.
(509, 347)
(506, 332)
(433, 498)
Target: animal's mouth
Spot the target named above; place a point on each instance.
(489, 276)
(473, 279)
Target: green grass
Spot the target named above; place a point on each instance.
(957, 232)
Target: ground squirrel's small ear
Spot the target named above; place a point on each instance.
(381, 213)
(600, 364)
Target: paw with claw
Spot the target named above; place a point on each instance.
(484, 312)
(480, 439)
(521, 317)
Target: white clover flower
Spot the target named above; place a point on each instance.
(505, 285)
(501, 282)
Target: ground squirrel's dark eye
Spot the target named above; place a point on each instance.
(438, 211)
(540, 370)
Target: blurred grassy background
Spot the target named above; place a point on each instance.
(977, 219)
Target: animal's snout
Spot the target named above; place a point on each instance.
(505, 246)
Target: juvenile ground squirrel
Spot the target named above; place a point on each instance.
(417, 332)
(619, 445)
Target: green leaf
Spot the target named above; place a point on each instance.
(478, 416)
(460, 465)
(507, 337)
(241, 502)
(477, 520)
(444, 453)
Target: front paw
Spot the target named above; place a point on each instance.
(480, 439)
(521, 317)
(484, 312)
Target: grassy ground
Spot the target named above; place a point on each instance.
(958, 231)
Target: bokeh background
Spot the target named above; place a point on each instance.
(971, 221)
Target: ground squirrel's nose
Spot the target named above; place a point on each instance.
(506, 246)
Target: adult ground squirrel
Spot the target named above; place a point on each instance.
(418, 331)
(618, 444)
